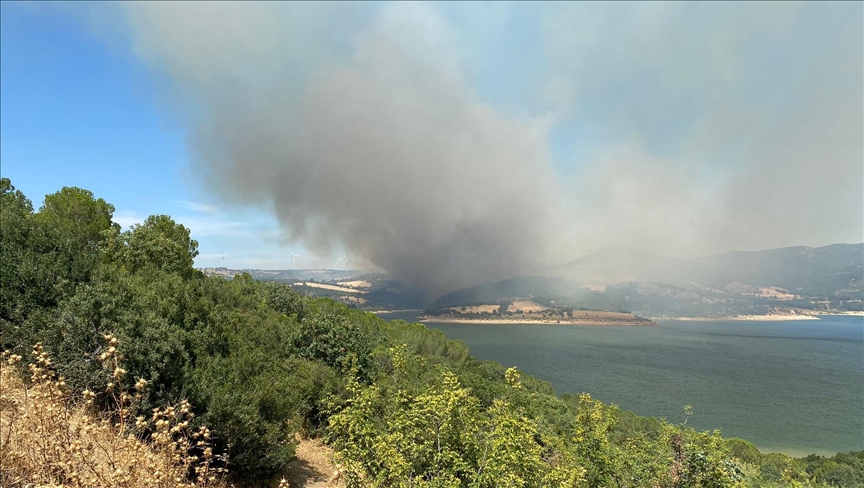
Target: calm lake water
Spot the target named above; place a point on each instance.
(790, 386)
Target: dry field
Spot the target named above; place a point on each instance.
(605, 316)
(476, 309)
(356, 284)
(775, 293)
(342, 289)
(526, 306)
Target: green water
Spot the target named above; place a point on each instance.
(794, 386)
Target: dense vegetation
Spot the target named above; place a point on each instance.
(401, 405)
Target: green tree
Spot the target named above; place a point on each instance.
(158, 243)
(16, 260)
(76, 217)
(335, 341)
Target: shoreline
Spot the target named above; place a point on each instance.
(647, 321)
(593, 323)
(742, 318)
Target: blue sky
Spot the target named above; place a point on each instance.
(79, 112)
(682, 129)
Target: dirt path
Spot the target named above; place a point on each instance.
(313, 467)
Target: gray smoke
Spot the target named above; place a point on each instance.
(740, 127)
(387, 153)
(709, 127)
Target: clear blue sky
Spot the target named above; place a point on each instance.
(78, 112)
(680, 128)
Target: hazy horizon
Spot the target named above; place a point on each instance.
(452, 144)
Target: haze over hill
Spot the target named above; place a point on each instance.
(804, 269)
(786, 280)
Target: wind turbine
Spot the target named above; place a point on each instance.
(223, 258)
(295, 259)
(344, 258)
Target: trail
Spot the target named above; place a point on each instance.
(313, 467)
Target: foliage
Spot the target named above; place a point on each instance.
(401, 404)
(158, 243)
(333, 340)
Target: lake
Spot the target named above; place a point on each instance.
(790, 386)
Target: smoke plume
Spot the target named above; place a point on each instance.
(698, 128)
(387, 153)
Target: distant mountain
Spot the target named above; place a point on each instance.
(735, 283)
(619, 265)
(836, 270)
(810, 271)
(363, 289)
(541, 289)
(623, 279)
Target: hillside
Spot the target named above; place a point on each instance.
(361, 289)
(834, 272)
(251, 366)
(778, 281)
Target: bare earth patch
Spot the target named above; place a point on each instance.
(313, 468)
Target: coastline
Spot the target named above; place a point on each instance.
(746, 318)
(593, 323)
(396, 311)
(647, 321)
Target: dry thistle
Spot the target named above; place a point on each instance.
(49, 439)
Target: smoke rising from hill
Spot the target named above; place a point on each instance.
(387, 152)
(705, 128)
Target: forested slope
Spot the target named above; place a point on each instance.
(400, 404)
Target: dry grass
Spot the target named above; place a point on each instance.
(356, 284)
(50, 439)
(476, 308)
(775, 293)
(342, 289)
(527, 306)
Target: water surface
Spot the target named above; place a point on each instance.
(790, 386)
